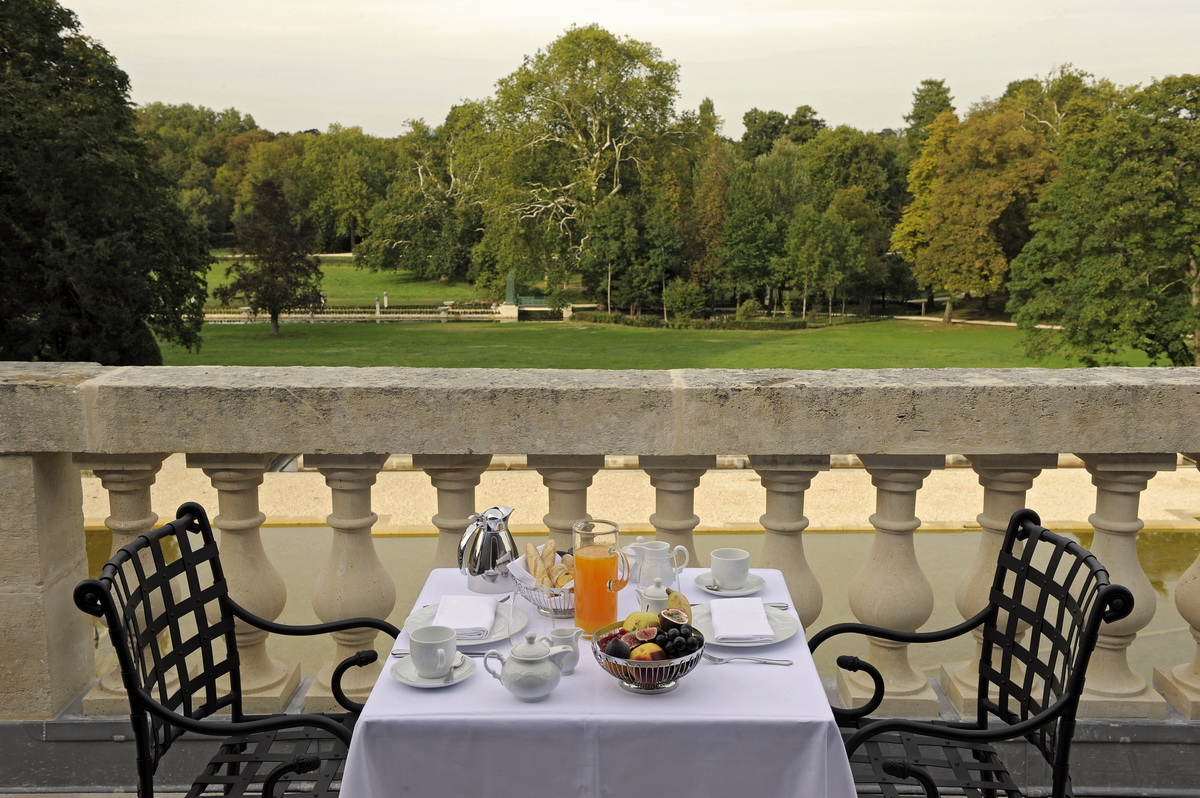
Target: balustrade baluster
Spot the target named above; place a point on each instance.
(567, 478)
(353, 582)
(127, 478)
(47, 643)
(786, 478)
(1006, 478)
(1113, 689)
(1181, 684)
(675, 479)
(455, 477)
(890, 590)
(267, 684)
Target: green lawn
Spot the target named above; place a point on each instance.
(885, 344)
(346, 285)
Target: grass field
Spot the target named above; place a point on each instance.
(346, 285)
(884, 344)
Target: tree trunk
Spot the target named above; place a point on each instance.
(274, 324)
(948, 316)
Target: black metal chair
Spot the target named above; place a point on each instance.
(171, 620)
(1040, 626)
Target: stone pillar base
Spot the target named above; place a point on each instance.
(962, 695)
(273, 699)
(1147, 704)
(102, 702)
(357, 682)
(917, 705)
(1184, 697)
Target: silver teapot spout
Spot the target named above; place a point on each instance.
(486, 549)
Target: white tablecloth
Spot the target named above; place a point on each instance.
(735, 729)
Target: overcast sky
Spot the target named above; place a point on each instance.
(301, 64)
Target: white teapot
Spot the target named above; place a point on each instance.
(531, 670)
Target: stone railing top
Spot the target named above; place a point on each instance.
(78, 407)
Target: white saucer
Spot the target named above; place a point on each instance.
(754, 583)
(509, 620)
(405, 672)
(783, 624)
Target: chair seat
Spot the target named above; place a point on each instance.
(957, 768)
(243, 762)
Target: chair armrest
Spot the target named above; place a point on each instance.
(937, 636)
(359, 659)
(225, 728)
(964, 732)
(853, 664)
(312, 629)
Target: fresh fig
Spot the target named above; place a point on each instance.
(631, 639)
(646, 635)
(617, 649)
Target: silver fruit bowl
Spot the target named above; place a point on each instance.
(640, 676)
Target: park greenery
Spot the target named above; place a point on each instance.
(1069, 202)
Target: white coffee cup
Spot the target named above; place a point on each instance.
(730, 567)
(433, 650)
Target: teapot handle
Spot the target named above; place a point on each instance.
(492, 652)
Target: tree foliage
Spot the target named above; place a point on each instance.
(1113, 263)
(572, 126)
(930, 100)
(973, 187)
(276, 270)
(96, 257)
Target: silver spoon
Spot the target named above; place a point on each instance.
(722, 660)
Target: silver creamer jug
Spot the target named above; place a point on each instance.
(485, 551)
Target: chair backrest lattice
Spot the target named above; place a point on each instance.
(1048, 600)
(163, 597)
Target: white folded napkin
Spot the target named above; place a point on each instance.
(470, 616)
(740, 620)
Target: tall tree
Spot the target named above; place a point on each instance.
(975, 218)
(760, 130)
(930, 99)
(572, 125)
(1114, 263)
(96, 258)
(276, 270)
(909, 236)
(430, 222)
(348, 172)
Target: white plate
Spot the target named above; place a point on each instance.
(783, 625)
(406, 673)
(509, 620)
(754, 583)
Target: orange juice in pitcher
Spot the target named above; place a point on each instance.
(601, 570)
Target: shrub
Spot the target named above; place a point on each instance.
(750, 309)
(684, 299)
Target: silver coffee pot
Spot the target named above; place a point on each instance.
(485, 551)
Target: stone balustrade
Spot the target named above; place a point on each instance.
(120, 423)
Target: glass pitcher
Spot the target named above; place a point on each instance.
(601, 569)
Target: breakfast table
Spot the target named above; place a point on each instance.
(726, 729)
